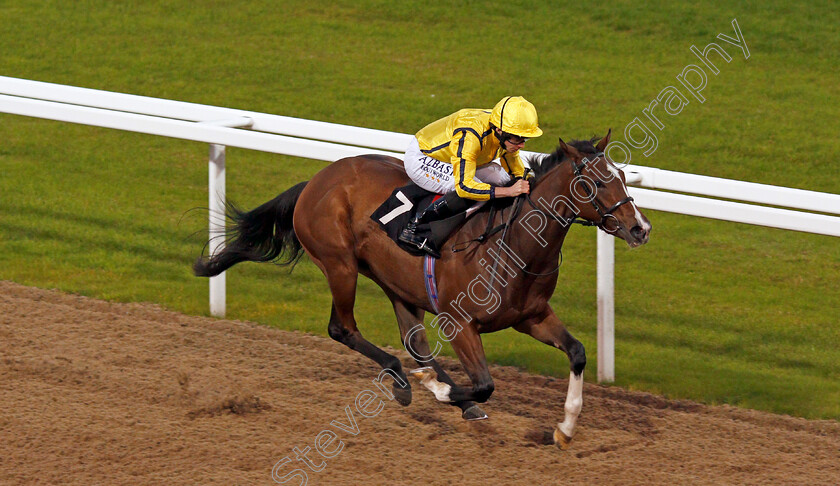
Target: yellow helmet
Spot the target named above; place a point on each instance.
(516, 115)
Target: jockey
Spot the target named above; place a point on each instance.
(452, 156)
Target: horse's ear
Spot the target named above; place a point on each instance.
(604, 142)
(569, 150)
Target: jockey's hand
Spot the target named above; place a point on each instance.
(521, 186)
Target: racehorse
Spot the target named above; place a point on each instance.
(506, 281)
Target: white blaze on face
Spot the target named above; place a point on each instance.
(613, 170)
(640, 220)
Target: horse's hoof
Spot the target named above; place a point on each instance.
(402, 395)
(562, 440)
(474, 413)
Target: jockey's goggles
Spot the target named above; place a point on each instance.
(515, 139)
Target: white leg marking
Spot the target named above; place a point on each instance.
(427, 377)
(574, 403)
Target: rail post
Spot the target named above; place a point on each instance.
(216, 206)
(217, 225)
(606, 307)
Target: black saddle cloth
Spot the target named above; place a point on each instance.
(404, 202)
(402, 205)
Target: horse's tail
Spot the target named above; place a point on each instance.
(263, 234)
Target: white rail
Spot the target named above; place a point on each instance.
(198, 131)
(222, 127)
(180, 110)
(668, 180)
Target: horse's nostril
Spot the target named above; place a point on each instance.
(638, 232)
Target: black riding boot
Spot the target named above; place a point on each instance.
(448, 205)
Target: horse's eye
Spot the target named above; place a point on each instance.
(599, 184)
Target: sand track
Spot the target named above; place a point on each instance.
(93, 392)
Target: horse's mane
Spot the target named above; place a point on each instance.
(541, 164)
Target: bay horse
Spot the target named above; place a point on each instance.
(504, 282)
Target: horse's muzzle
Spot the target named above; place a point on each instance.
(638, 236)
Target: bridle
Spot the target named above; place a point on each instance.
(605, 215)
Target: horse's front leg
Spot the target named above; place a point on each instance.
(551, 331)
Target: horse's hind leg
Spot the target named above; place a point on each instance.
(470, 351)
(410, 320)
(552, 332)
(342, 277)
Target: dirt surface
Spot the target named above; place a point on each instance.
(93, 392)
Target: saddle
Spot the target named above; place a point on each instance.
(402, 205)
(404, 202)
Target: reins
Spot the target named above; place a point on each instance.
(491, 230)
(517, 206)
(574, 219)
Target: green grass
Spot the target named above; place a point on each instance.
(712, 311)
